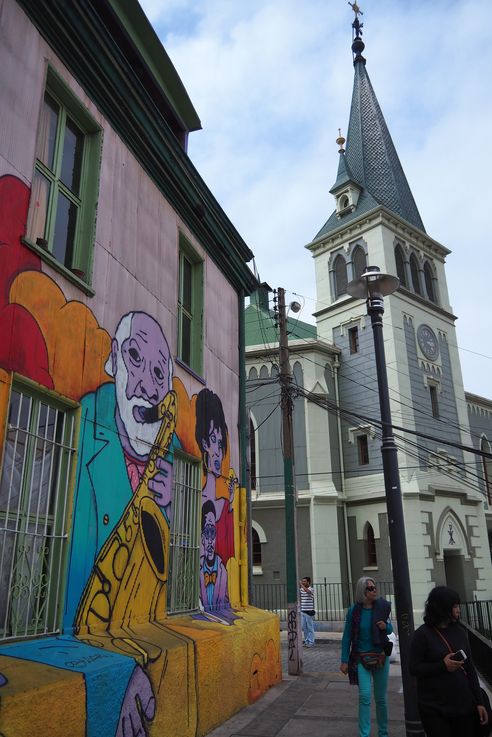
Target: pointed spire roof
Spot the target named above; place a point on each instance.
(370, 159)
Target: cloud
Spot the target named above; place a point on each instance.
(272, 81)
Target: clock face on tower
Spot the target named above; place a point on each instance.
(429, 345)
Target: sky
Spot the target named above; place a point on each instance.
(271, 81)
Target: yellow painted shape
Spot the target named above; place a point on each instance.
(41, 700)
(168, 658)
(77, 346)
(235, 665)
(5, 382)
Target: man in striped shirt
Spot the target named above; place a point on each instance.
(307, 611)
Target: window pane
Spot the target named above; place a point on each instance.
(340, 276)
(66, 220)
(48, 123)
(400, 267)
(38, 211)
(414, 269)
(185, 339)
(186, 285)
(73, 146)
(359, 262)
(429, 285)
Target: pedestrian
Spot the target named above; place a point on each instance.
(307, 611)
(365, 647)
(448, 691)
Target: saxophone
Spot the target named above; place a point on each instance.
(129, 576)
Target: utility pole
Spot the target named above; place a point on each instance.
(293, 610)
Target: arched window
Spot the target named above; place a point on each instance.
(400, 266)
(340, 270)
(371, 557)
(487, 469)
(414, 270)
(359, 261)
(429, 282)
(252, 454)
(256, 548)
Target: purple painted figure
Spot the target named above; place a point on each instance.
(213, 575)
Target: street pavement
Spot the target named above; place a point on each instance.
(319, 703)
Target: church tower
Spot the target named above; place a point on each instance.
(376, 222)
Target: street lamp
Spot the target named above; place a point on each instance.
(373, 286)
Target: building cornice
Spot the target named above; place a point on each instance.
(93, 41)
(383, 217)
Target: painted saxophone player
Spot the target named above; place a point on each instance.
(123, 490)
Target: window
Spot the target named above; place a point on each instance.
(184, 555)
(64, 188)
(359, 262)
(400, 266)
(429, 282)
(363, 450)
(487, 468)
(434, 400)
(414, 271)
(190, 307)
(256, 549)
(353, 335)
(34, 490)
(371, 556)
(252, 455)
(340, 269)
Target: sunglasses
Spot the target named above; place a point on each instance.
(370, 588)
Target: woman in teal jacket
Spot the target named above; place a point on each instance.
(367, 627)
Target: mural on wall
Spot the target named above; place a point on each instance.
(217, 538)
(132, 662)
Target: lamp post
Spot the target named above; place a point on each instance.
(373, 286)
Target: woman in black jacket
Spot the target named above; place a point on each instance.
(448, 690)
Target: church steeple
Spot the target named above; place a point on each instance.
(370, 160)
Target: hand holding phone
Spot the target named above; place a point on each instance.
(460, 656)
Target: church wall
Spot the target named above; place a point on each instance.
(114, 657)
(273, 551)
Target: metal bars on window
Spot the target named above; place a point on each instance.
(33, 511)
(184, 559)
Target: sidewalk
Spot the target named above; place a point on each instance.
(320, 703)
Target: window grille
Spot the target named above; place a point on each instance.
(34, 489)
(184, 558)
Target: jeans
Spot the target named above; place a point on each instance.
(307, 628)
(439, 726)
(380, 680)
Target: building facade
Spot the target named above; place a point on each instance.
(343, 526)
(123, 531)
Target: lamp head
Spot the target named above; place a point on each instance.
(372, 284)
(295, 306)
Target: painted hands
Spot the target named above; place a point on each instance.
(160, 484)
(138, 706)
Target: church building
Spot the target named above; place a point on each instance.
(439, 428)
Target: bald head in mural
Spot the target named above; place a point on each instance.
(142, 367)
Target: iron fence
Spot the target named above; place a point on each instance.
(331, 599)
(478, 615)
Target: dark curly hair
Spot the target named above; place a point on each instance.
(439, 604)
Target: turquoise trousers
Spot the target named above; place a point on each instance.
(379, 679)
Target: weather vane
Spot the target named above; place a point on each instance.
(356, 25)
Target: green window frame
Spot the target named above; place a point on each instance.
(190, 307)
(184, 555)
(62, 211)
(35, 482)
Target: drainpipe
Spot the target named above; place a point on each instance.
(245, 507)
(336, 366)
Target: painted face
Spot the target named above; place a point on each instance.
(208, 537)
(142, 380)
(214, 449)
